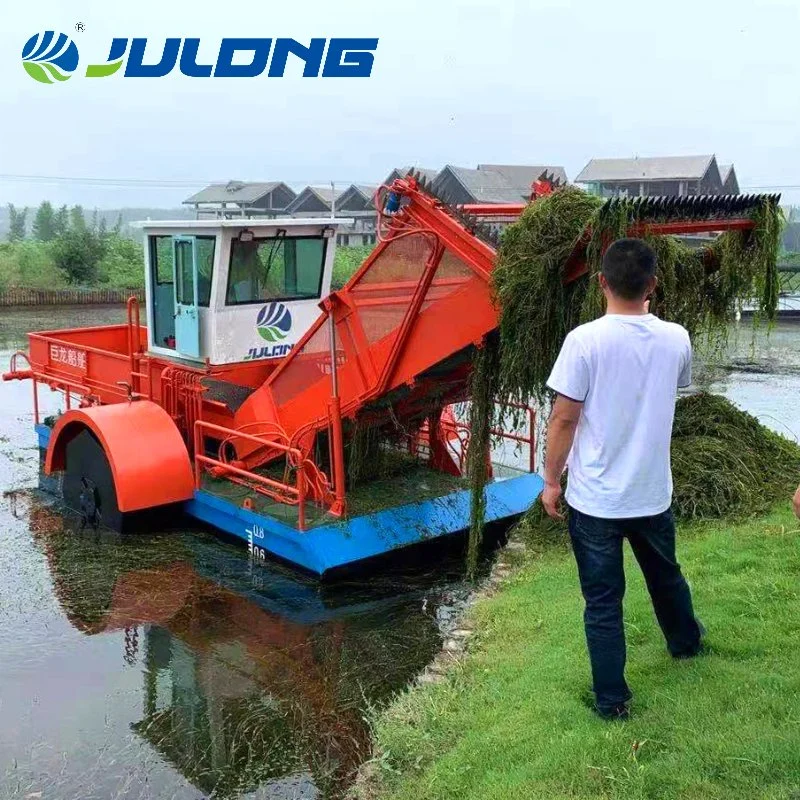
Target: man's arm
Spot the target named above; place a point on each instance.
(796, 502)
(560, 434)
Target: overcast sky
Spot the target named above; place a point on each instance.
(453, 82)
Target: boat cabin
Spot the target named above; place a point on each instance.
(228, 291)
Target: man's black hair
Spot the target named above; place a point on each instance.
(628, 267)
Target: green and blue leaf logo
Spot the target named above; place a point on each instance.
(274, 322)
(50, 57)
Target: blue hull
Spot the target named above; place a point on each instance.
(355, 539)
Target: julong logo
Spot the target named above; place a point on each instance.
(47, 60)
(274, 322)
(50, 57)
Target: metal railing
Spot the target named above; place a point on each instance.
(280, 491)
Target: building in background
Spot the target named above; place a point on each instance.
(358, 202)
(670, 176)
(241, 199)
(401, 172)
(492, 183)
(730, 183)
(488, 183)
(315, 201)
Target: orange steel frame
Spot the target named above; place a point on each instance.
(382, 380)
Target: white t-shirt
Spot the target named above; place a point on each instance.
(625, 369)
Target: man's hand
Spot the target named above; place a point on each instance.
(551, 495)
(796, 502)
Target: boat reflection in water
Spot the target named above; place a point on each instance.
(252, 676)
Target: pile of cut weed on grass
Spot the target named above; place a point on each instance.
(699, 288)
(725, 464)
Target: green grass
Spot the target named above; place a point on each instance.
(346, 261)
(513, 720)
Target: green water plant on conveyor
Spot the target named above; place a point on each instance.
(698, 287)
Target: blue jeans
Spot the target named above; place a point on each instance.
(597, 544)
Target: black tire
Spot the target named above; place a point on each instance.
(88, 485)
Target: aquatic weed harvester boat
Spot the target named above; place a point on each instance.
(321, 437)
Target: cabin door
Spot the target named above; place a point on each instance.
(187, 318)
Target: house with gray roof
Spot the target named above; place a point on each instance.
(241, 199)
(401, 172)
(356, 202)
(315, 201)
(357, 197)
(491, 183)
(730, 183)
(523, 176)
(665, 176)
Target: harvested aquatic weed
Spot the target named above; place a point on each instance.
(699, 287)
(725, 465)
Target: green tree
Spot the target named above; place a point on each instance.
(118, 225)
(16, 223)
(61, 221)
(77, 254)
(122, 265)
(44, 223)
(102, 228)
(77, 221)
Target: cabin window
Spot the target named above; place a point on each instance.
(204, 253)
(163, 294)
(163, 265)
(161, 256)
(278, 268)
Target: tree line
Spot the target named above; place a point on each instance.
(64, 248)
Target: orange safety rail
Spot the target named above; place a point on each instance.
(277, 490)
(94, 363)
(310, 482)
(136, 346)
(457, 431)
(530, 439)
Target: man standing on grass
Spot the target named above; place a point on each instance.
(616, 380)
(796, 502)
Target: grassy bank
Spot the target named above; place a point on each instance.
(512, 721)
